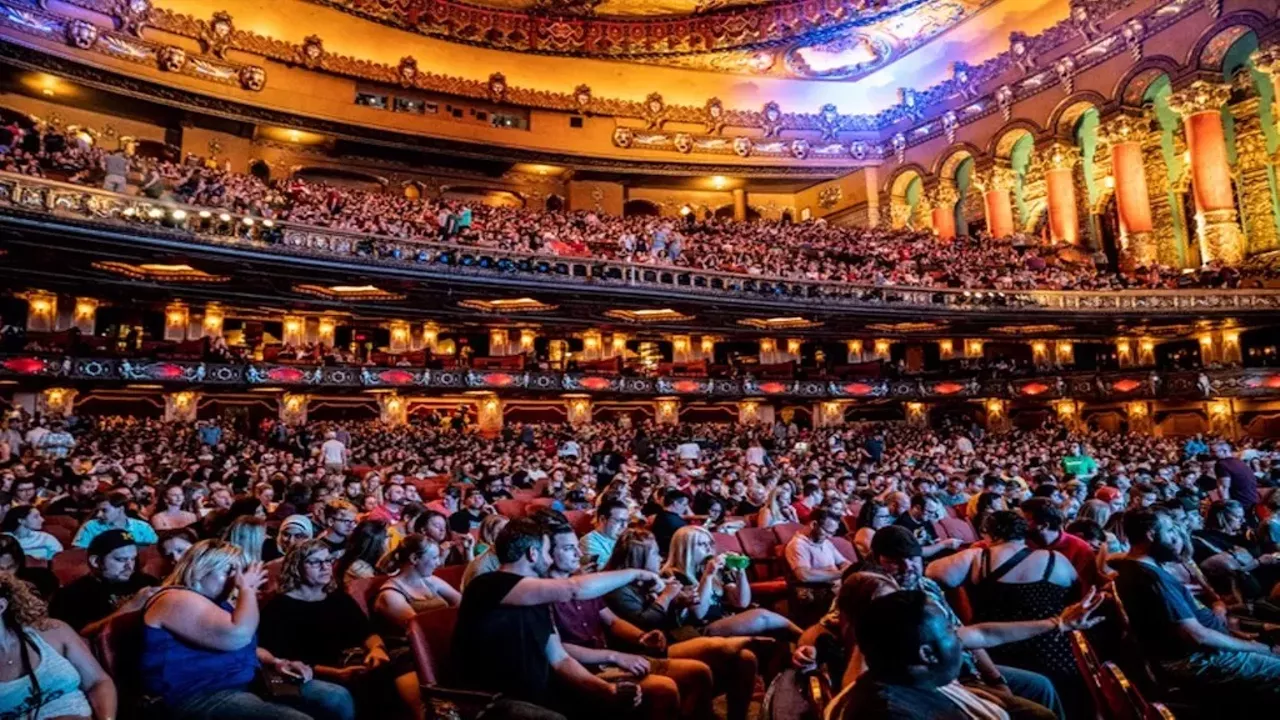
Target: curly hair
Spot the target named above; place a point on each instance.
(292, 568)
(26, 609)
(1005, 526)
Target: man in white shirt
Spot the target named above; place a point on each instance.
(811, 555)
(333, 453)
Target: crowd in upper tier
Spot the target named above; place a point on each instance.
(810, 250)
(622, 568)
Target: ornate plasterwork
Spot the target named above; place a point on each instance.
(917, 107)
(124, 44)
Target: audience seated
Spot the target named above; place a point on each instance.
(113, 584)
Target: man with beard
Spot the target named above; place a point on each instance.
(896, 564)
(112, 585)
(506, 640)
(1185, 641)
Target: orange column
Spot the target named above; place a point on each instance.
(999, 208)
(944, 210)
(1200, 105)
(1060, 191)
(1133, 203)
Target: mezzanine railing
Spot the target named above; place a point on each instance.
(144, 218)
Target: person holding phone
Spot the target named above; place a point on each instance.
(200, 653)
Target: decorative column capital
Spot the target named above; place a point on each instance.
(1001, 179)
(1119, 129)
(944, 195)
(1060, 156)
(1199, 96)
(1267, 60)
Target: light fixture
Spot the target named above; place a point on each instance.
(224, 217)
(205, 214)
(179, 215)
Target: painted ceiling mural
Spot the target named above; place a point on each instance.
(811, 39)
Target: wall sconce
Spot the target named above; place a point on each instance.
(767, 345)
(1039, 348)
(680, 343)
(1219, 408)
(1206, 341)
(855, 347)
(995, 407)
(527, 338)
(1137, 409)
(793, 346)
(882, 348)
(325, 329)
(85, 308)
(708, 345)
(619, 343)
(1147, 346)
(973, 348)
(946, 347)
(430, 336)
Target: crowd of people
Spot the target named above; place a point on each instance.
(799, 251)
(278, 571)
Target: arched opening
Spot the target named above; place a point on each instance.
(786, 217)
(492, 197)
(261, 170)
(639, 208)
(342, 178)
(724, 212)
(905, 206)
(554, 203)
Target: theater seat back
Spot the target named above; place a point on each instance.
(118, 648)
(431, 639)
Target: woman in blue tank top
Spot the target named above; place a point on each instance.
(200, 654)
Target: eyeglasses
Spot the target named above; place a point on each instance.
(320, 562)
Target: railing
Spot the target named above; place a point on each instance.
(1108, 386)
(145, 218)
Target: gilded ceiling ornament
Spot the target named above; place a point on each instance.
(713, 116)
(950, 122)
(311, 53)
(912, 102)
(962, 80)
(1132, 33)
(1083, 22)
(683, 142)
(498, 87)
(829, 122)
(830, 197)
(800, 148)
(1066, 69)
(253, 78)
(407, 71)
(81, 34)
(771, 120)
(623, 137)
(582, 97)
(573, 8)
(132, 16)
(1004, 99)
(171, 58)
(215, 35)
(1020, 48)
(655, 112)
(1122, 129)
(743, 146)
(900, 146)
(858, 150)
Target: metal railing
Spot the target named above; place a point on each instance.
(144, 217)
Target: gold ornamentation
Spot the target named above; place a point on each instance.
(829, 122)
(311, 52)
(1083, 21)
(1142, 249)
(1066, 70)
(830, 197)
(1132, 33)
(171, 58)
(1004, 99)
(497, 87)
(1252, 163)
(771, 120)
(1060, 155)
(407, 71)
(1220, 237)
(582, 96)
(1199, 96)
(131, 16)
(655, 112)
(1020, 49)
(216, 35)
(81, 34)
(899, 142)
(713, 116)
(1121, 128)
(950, 122)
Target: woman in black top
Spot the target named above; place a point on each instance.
(313, 621)
(732, 662)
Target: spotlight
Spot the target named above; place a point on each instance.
(248, 222)
(224, 217)
(155, 213)
(205, 214)
(179, 215)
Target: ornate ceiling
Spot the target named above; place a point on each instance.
(809, 39)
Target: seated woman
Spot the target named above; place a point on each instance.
(412, 590)
(777, 508)
(872, 516)
(173, 510)
(14, 562)
(733, 664)
(47, 670)
(24, 522)
(715, 600)
(365, 547)
(487, 560)
(200, 655)
(717, 519)
(309, 599)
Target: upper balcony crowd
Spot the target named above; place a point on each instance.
(815, 251)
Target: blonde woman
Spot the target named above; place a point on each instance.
(714, 599)
(249, 534)
(200, 654)
(487, 560)
(46, 670)
(777, 508)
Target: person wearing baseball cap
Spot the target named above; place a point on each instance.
(112, 585)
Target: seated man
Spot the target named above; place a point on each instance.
(111, 514)
(914, 657)
(506, 640)
(111, 586)
(925, 510)
(1185, 641)
(670, 688)
(811, 556)
(675, 505)
(611, 519)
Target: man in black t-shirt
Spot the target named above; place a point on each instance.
(506, 641)
(471, 514)
(1186, 642)
(923, 512)
(675, 504)
(111, 586)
